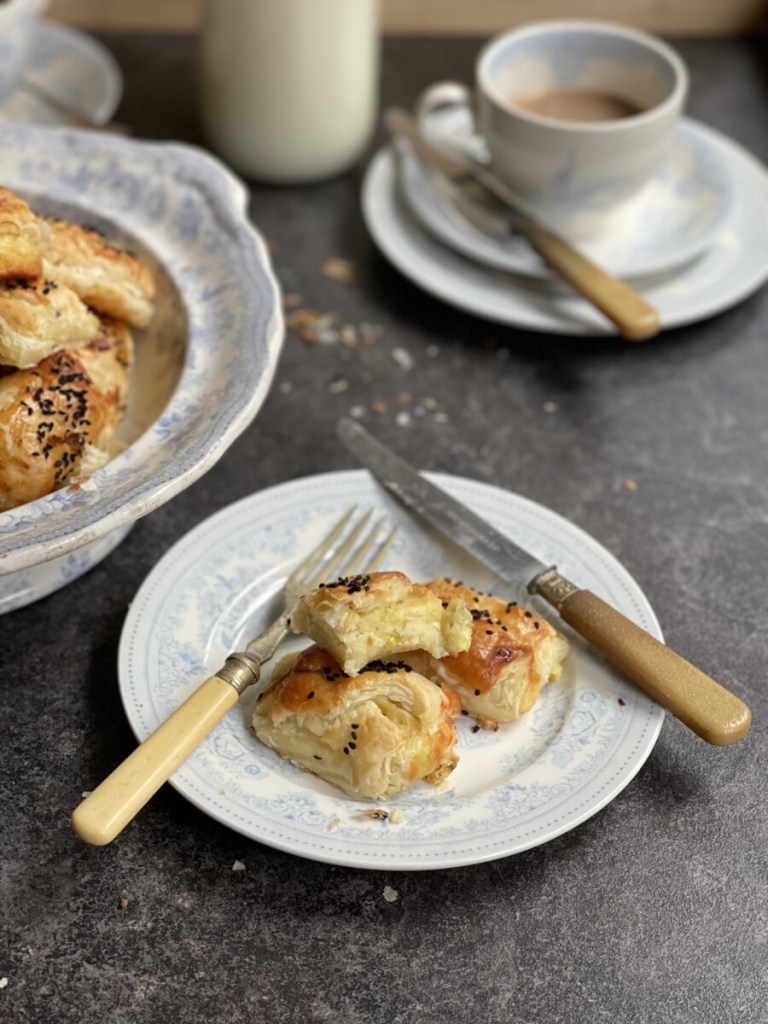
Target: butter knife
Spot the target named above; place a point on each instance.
(711, 711)
(635, 318)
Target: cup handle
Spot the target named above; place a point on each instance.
(441, 97)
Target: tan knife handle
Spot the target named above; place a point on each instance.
(712, 712)
(636, 319)
(118, 799)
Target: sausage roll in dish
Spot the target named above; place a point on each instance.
(372, 734)
(513, 653)
(23, 239)
(106, 278)
(362, 618)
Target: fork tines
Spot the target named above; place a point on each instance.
(352, 547)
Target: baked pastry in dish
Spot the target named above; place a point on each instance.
(22, 239)
(513, 654)
(108, 360)
(361, 618)
(58, 419)
(40, 317)
(107, 279)
(372, 734)
(67, 298)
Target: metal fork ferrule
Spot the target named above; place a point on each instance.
(240, 670)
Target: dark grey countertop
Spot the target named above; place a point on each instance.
(655, 909)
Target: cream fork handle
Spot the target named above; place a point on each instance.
(118, 799)
(636, 319)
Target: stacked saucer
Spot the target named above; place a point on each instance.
(692, 241)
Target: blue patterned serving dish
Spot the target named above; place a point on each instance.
(203, 367)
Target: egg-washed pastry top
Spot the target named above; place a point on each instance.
(108, 279)
(37, 318)
(513, 653)
(57, 419)
(361, 618)
(23, 238)
(372, 734)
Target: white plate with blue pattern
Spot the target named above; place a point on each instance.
(534, 779)
(730, 268)
(672, 219)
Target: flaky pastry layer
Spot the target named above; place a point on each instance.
(513, 653)
(371, 735)
(361, 618)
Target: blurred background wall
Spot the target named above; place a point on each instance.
(433, 17)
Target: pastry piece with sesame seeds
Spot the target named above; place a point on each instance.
(361, 618)
(512, 655)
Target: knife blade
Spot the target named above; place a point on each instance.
(709, 709)
(636, 319)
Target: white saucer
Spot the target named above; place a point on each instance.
(730, 269)
(674, 217)
(75, 69)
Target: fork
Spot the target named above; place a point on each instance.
(105, 812)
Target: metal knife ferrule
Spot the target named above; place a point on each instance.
(554, 588)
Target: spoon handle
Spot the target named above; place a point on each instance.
(636, 319)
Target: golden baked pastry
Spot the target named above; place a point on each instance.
(362, 618)
(56, 422)
(22, 239)
(108, 359)
(372, 734)
(512, 655)
(39, 318)
(107, 279)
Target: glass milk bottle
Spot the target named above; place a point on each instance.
(289, 88)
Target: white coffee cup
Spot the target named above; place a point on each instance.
(289, 88)
(573, 174)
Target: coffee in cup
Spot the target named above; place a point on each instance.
(576, 104)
